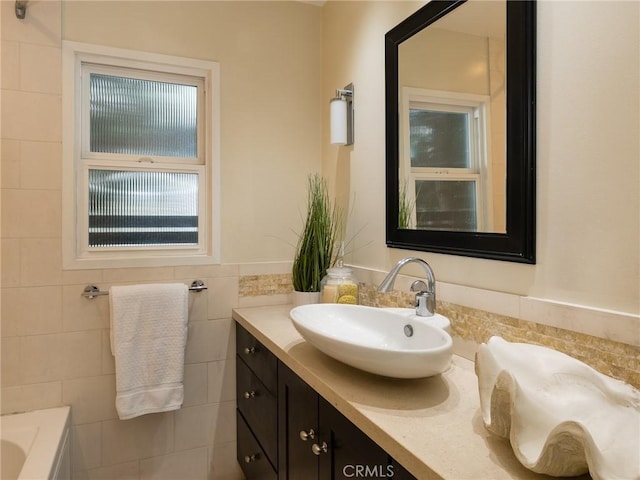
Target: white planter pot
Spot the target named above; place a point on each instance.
(305, 298)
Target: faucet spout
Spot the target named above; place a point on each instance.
(387, 283)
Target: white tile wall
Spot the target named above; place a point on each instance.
(55, 343)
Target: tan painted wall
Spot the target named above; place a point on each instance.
(55, 343)
(588, 130)
(269, 54)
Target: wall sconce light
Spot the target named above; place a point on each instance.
(341, 113)
(21, 9)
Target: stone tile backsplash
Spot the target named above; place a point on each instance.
(613, 358)
(259, 285)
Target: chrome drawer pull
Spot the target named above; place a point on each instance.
(304, 436)
(251, 458)
(249, 350)
(249, 394)
(318, 449)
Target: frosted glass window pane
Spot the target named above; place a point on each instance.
(142, 117)
(446, 205)
(439, 139)
(142, 208)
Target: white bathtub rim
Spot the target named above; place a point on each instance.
(42, 457)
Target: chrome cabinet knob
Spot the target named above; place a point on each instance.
(249, 350)
(251, 458)
(318, 449)
(304, 436)
(249, 394)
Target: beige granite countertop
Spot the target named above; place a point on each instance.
(432, 426)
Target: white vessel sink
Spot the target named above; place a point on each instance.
(374, 339)
(436, 320)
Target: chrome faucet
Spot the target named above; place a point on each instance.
(425, 293)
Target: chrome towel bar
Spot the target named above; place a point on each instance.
(92, 291)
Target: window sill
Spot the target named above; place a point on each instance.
(139, 261)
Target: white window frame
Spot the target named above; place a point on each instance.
(478, 106)
(77, 160)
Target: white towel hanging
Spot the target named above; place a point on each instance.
(148, 338)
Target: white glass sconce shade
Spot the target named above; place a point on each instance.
(338, 108)
(341, 117)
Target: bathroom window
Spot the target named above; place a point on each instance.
(141, 169)
(143, 208)
(445, 164)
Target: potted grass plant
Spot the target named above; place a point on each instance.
(315, 247)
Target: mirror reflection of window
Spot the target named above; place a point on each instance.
(446, 161)
(439, 138)
(446, 205)
(452, 119)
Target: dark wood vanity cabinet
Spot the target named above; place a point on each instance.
(257, 412)
(354, 455)
(317, 442)
(298, 427)
(312, 440)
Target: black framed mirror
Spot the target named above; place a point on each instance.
(460, 156)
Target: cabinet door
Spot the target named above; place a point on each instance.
(345, 451)
(251, 458)
(297, 427)
(257, 357)
(400, 473)
(259, 408)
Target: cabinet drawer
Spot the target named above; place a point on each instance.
(263, 363)
(251, 458)
(259, 407)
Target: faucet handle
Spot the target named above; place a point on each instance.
(419, 286)
(425, 304)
